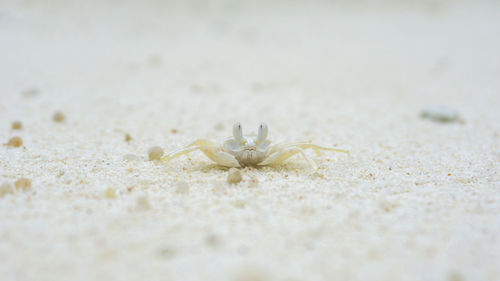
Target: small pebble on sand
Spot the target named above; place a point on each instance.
(440, 114)
(234, 176)
(181, 187)
(110, 193)
(17, 125)
(128, 137)
(6, 188)
(58, 117)
(155, 153)
(15, 142)
(23, 184)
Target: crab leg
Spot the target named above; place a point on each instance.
(209, 149)
(225, 159)
(180, 152)
(282, 155)
(199, 144)
(306, 145)
(317, 148)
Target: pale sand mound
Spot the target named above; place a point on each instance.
(417, 200)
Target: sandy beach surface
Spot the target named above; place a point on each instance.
(416, 199)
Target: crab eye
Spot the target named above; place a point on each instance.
(262, 134)
(237, 131)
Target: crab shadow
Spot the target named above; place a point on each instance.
(281, 168)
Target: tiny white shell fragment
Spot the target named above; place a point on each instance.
(440, 114)
(131, 157)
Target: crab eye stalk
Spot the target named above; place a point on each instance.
(237, 131)
(262, 134)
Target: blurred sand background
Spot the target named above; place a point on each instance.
(417, 200)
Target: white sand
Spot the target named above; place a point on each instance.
(417, 200)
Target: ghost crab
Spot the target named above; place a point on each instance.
(250, 150)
